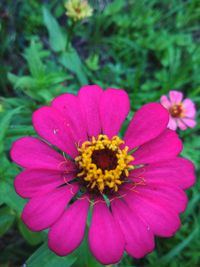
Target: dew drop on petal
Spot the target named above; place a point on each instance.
(55, 131)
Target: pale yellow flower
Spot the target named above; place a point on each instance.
(78, 9)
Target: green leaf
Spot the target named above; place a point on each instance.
(4, 124)
(71, 60)
(33, 56)
(114, 7)
(21, 83)
(176, 250)
(57, 39)
(12, 78)
(20, 130)
(46, 258)
(32, 238)
(6, 220)
(93, 62)
(8, 196)
(85, 258)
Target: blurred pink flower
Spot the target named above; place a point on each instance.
(182, 112)
(135, 186)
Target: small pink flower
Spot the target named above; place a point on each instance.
(134, 186)
(182, 112)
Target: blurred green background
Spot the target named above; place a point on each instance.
(146, 47)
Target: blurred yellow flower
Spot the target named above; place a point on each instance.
(78, 9)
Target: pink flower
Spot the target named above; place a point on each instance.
(141, 176)
(182, 112)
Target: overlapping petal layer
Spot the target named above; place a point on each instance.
(114, 108)
(139, 239)
(68, 232)
(32, 182)
(69, 106)
(89, 97)
(176, 171)
(175, 96)
(189, 108)
(105, 237)
(56, 129)
(147, 123)
(30, 152)
(146, 206)
(43, 210)
(161, 219)
(166, 146)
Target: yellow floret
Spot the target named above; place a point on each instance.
(95, 176)
(78, 9)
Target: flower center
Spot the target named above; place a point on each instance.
(105, 159)
(78, 10)
(176, 110)
(103, 164)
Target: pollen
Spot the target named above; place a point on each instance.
(103, 164)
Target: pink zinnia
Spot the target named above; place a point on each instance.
(182, 112)
(134, 186)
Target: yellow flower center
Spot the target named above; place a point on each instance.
(103, 164)
(177, 111)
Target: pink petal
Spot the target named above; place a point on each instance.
(165, 193)
(181, 125)
(172, 124)
(32, 182)
(68, 232)
(69, 106)
(114, 108)
(164, 147)
(30, 152)
(189, 106)
(165, 101)
(175, 96)
(160, 219)
(89, 97)
(177, 171)
(189, 122)
(44, 210)
(139, 238)
(147, 123)
(50, 124)
(105, 237)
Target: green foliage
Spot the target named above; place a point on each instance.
(31, 237)
(57, 39)
(43, 75)
(59, 42)
(6, 220)
(44, 257)
(145, 47)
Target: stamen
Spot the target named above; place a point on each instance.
(103, 164)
